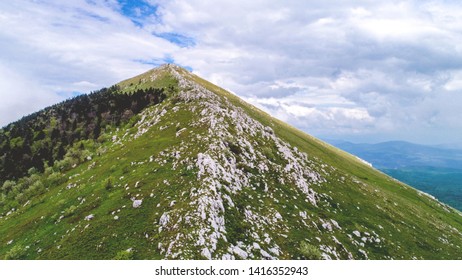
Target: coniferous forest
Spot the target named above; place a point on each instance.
(40, 139)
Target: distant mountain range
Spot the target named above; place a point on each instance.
(399, 154)
(435, 170)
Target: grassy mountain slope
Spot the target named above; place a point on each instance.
(203, 174)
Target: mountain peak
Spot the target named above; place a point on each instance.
(193, 172)
(160, 77)
(170, 68)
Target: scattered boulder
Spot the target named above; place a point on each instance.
(137, 203)
(89, 217)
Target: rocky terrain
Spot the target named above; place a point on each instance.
(204, 175)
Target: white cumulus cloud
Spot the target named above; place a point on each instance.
(348, 69)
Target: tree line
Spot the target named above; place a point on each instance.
(43, 137)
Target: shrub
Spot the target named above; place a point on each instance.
(21, 198)
(16, 253)
(124, 255)
(85, 155)
(48, 170)
(268, 152)
(103, 137)
(134, 120)
(12, 203)
(56, 178)
(70, 211)
(65, 164)
(109, 183)
(8, 186)
(101, 150)
(310, 252)
(32, 171)
(29, 181)
(35, 189)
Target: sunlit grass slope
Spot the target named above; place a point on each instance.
(205, 175)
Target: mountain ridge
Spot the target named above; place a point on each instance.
(204, 175)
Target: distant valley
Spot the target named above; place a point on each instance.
(434, 170)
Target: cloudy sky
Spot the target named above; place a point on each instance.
(364, 71)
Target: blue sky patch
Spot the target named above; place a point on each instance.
(177, 39)
(156, 61)
(137, 10)
(152, 62)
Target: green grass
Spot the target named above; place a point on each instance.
(53, 225)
